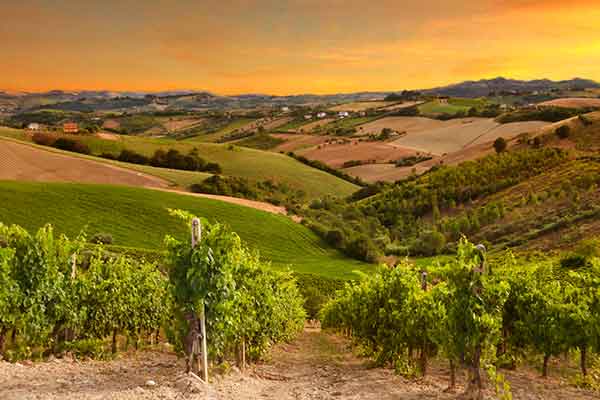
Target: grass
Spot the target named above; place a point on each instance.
(350, 122)
(224, 131)
(138, 218)
(293, 125)
(435, 108)
(260, 141)
(235, 161)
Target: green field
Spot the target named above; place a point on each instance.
(293, 125)
(139, 218)
(434, 108)
(226, 130)
(235, 161)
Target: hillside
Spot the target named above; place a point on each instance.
(483, 87)
(138, 218)
(255, 165)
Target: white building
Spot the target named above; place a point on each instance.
(321, 115)
(343, 114)
(308, 116)
(285, 109)
(34, 126)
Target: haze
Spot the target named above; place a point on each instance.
(292, 47)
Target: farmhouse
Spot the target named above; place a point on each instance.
(70, 127)
(321, 115)
(34, 126)
(343, 114)
(285, 109)
(443, 99)
(308, 116)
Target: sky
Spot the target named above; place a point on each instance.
(292, 47)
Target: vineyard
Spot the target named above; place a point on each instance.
(476, 315)
(59, 295)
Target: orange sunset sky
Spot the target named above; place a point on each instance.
(286, 47)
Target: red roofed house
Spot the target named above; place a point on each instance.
(70, 127)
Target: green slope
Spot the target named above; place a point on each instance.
(139, 218)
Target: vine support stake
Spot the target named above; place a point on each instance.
(196, 236)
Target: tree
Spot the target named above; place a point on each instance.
(500, 145)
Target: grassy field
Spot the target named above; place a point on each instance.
(435, 107)
(226, 130)
(235, 161)
(293, 125)
(139, 218)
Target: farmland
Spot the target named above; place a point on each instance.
(236, 161)
(573, 102)
(138, 218)
(362, 105)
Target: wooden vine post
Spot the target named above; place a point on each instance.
(196, 236)
(475, 383)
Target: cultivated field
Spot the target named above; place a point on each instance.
(336, 154)
(138, 218)
(235, 161)
(454, 137)
(296, 141)
(23, 162)
(290, 374)
(408, 124)
(319, 124)
(573, 102)
(362, 105)
(177, 124)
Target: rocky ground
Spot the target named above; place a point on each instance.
(316, 366)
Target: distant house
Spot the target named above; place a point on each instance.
(34, 126)
(70, 127)
(285, 109)
(321, 115)
(443, 99)
(308, 116)
(343, 114)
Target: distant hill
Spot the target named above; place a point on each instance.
(91, 100)
(486, 86)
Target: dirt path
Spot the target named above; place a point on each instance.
(316, 366)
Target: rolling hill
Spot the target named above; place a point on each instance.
(236, 161)
(139, 218)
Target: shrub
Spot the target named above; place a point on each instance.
(71, 145)
(563, 131)
(500, 145)
(102, 238)
(130, 156)
(43, 139)
(430, 243)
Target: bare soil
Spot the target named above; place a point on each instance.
(27, 163)
(316, 366)
(573, 102)
(336, 154)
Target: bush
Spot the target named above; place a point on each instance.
(500, 145)
(563, 131)
(102, 238)
(71, 145)
(43, 139)
(130, 156)
(430, 243)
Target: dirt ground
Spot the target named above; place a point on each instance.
(316, 366)
(572, 102)
(336, 154)
(27, 163)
